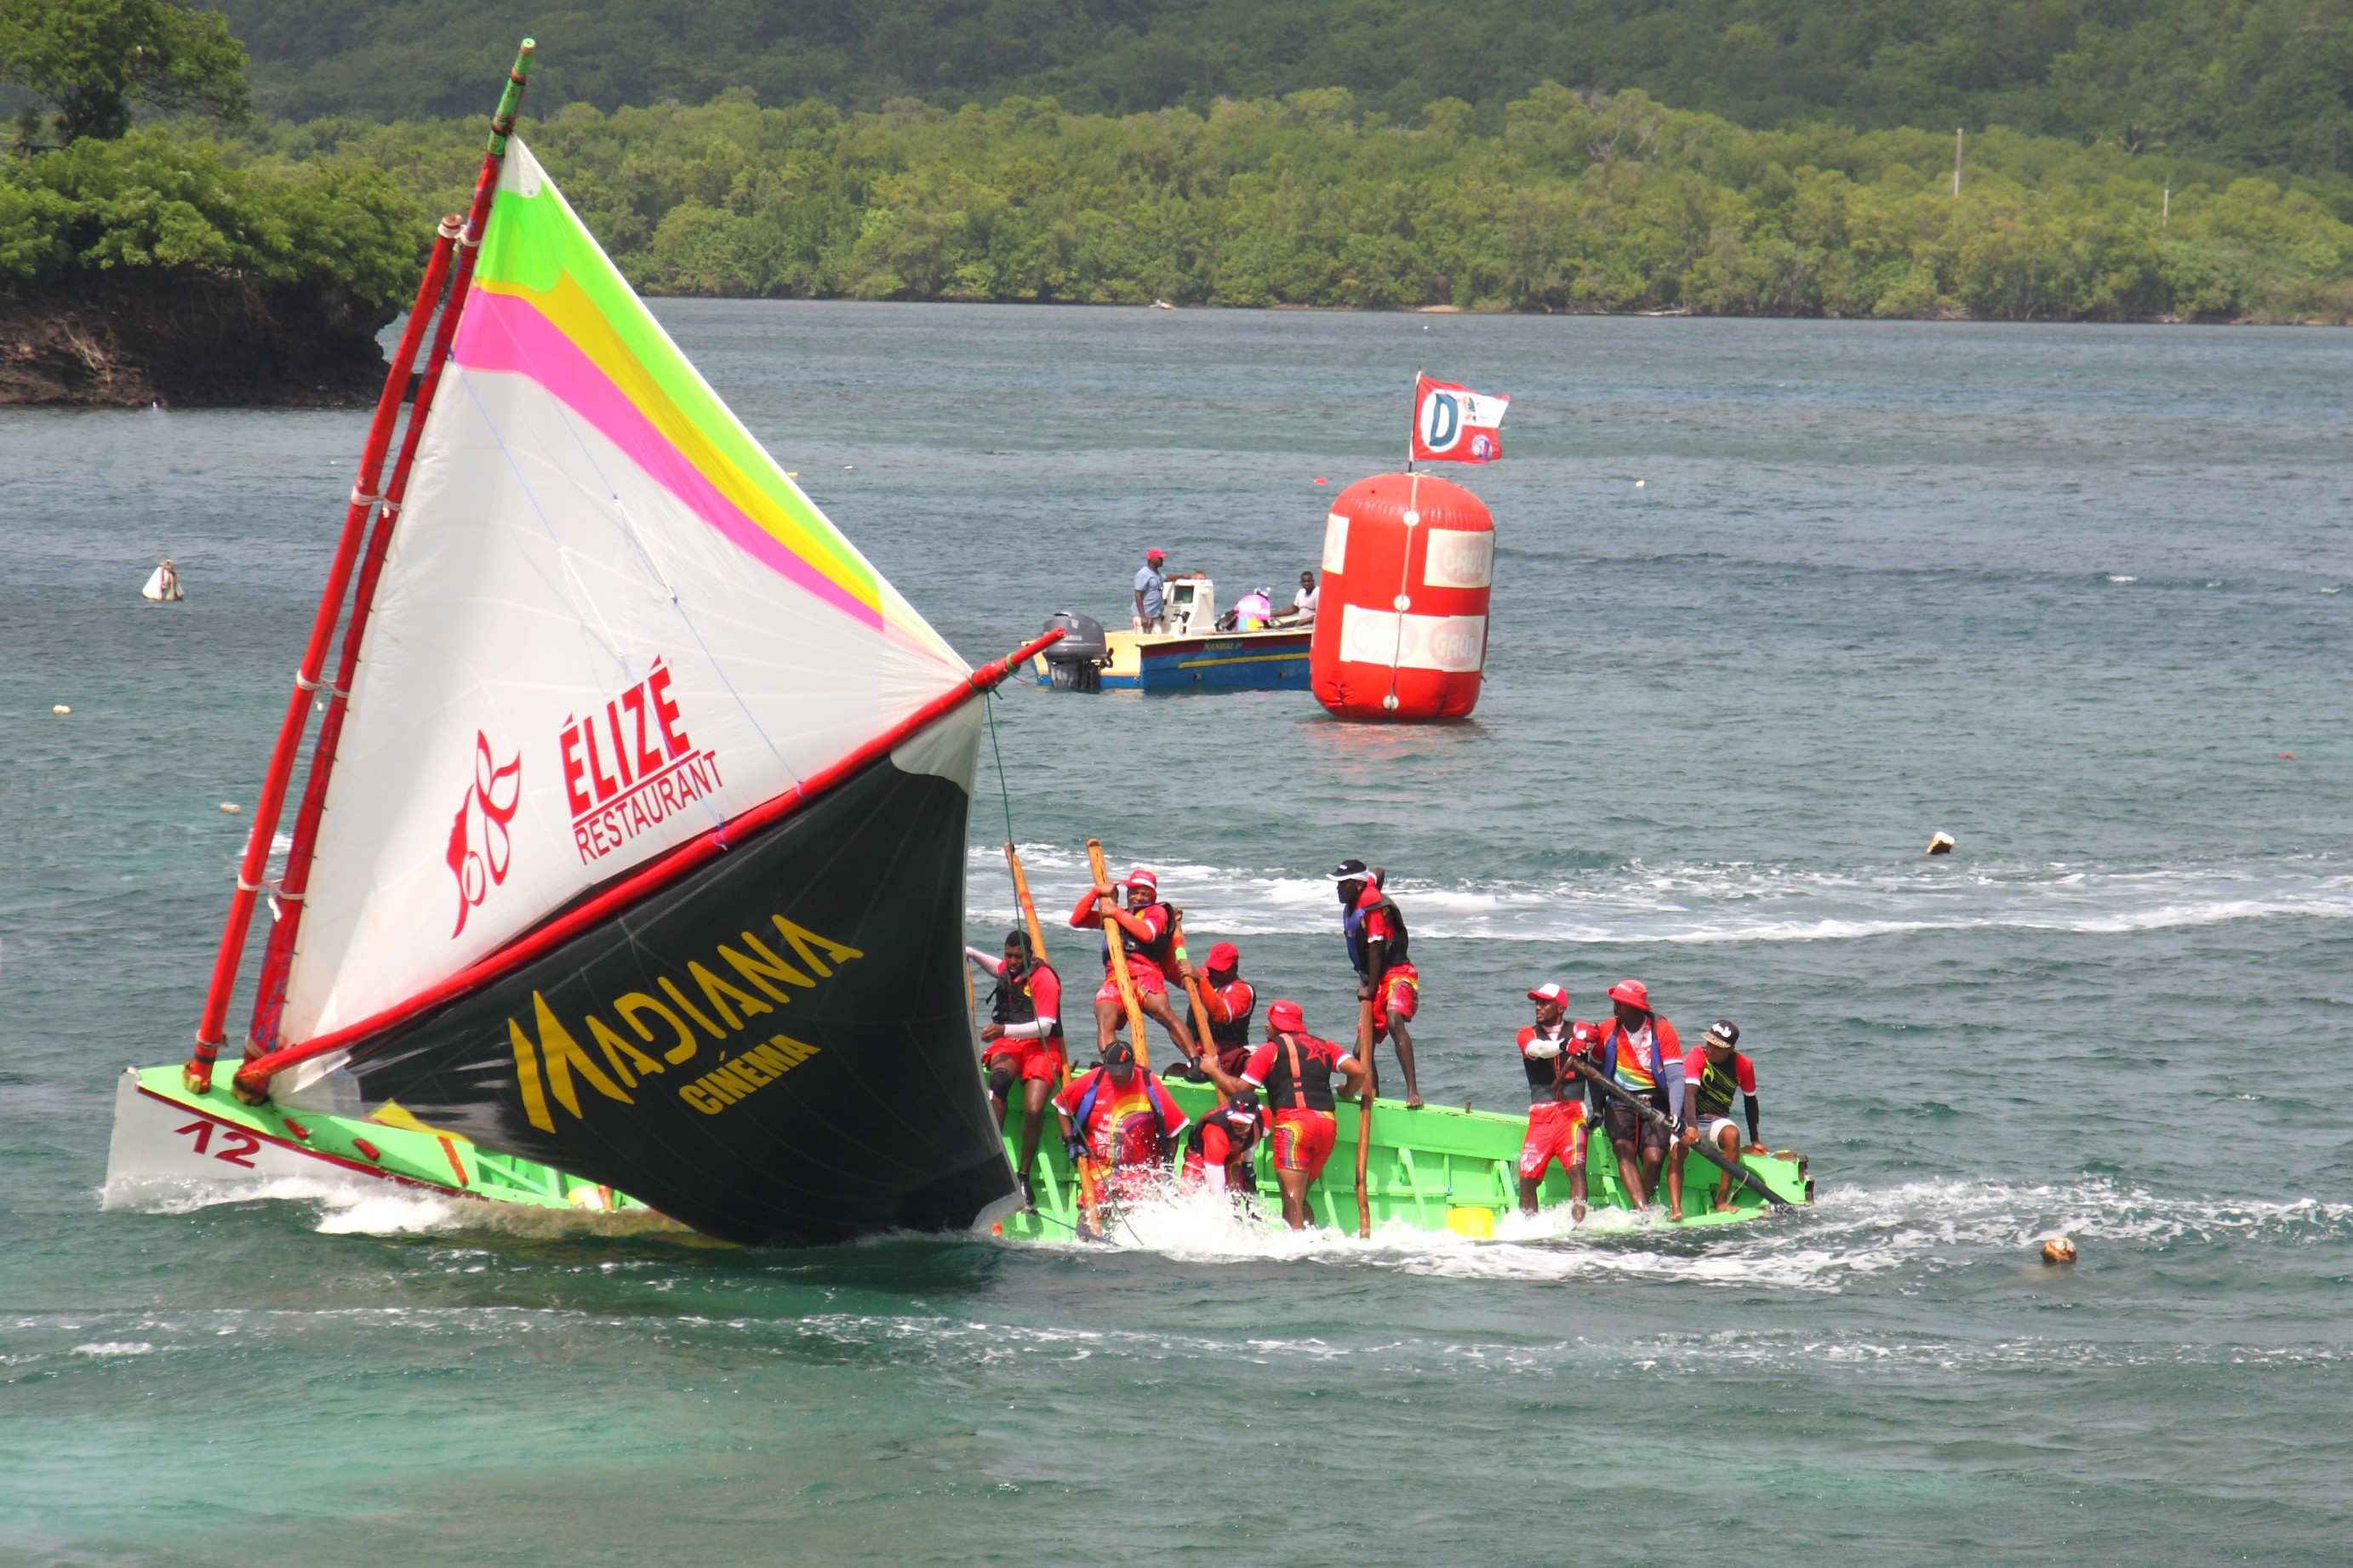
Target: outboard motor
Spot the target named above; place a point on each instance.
(1076, 663)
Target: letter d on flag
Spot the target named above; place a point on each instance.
(1455, 425)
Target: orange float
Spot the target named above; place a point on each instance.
(1401, 623)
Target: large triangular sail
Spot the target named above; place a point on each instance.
(642, 852)
(607, 622)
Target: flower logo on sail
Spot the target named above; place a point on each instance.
(479, 847)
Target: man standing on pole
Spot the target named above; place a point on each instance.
(1375, 930)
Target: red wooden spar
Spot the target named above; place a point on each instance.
(253, 1078)
(278, 958)
(199, 1069)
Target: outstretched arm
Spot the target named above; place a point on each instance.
(987, 961)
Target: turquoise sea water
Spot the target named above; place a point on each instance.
(2068, 594)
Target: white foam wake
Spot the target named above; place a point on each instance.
(1729, 902)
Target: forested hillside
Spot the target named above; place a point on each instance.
(2255, 83)
(1579, 203)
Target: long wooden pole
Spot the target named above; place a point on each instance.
(1112, 939)
(198, 1071)
(1193, 993)
(1028, 909)
(277, 957)
(1364, 1098)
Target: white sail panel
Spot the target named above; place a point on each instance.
(606, 623)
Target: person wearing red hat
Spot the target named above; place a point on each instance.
(1151, 600)
(1295, 1069)
(1232, 1003)
(1638, 1051)
(1556, 1098)
(1147, 929)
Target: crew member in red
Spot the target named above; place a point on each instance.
(1713, 1070)
(1117, 1115)
(1022, 1041)
(1374, 929)
(1295, 1069)
(1147, 928)
(1230, 1002)
(1218, 1150)
(1639, 1054)
(1556, 1098)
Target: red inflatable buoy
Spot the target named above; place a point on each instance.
(1401, 623)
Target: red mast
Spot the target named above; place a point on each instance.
(199, 1069)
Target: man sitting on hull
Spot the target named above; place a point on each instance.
(1147, 928)
(1713, 1071)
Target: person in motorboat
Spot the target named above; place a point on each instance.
(1713, 1070)
(1639, 1052)
(1151, 601)
(1373, 929)
(1230, 1003)
(1294, 1069)
(1117, 1116)
(1254, 611)
(1557, 1097)
(1302, 603)
(1221, 1148)
(1147, 927)
(1022, 1041)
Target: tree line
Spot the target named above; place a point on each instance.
(1577, 202)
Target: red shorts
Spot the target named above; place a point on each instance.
(1398, 996)
(1028, 1058)
(1555, 1132)
(1303, 1140)
(1143, 972)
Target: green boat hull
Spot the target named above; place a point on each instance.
(1434, 1169)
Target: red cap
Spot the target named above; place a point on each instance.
(1633, 993)
(1285, 1016)
(1155, 555)
(1140, 878)
(1225, 955)
(1550, 991)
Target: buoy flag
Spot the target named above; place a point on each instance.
(1455, 425)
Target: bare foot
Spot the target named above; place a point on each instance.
(1413, 1102)
(1674, 1214)
(1577, 1213)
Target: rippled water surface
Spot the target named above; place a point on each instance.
(2072, 595)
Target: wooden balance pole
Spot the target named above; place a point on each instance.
(1193, 993)
(1114, 940)
(1037, 933)
(1364, 1098)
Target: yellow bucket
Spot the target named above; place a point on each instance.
(1475, 1223)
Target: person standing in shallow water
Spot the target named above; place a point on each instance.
(1374, 927)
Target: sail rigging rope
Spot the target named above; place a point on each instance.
(1003, 793)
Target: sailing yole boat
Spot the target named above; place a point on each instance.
(633, 843)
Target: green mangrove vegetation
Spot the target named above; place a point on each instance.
(1576, 202)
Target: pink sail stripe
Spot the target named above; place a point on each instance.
(504, 332)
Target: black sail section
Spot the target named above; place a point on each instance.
(774, 1050)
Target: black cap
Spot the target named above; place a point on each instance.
(1119, 1053)
(1350, 871)
(1725, 1031)
(1243, 1099)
